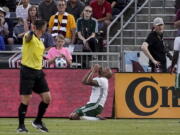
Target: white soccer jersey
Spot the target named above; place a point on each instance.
(177, 48)
(99, 94)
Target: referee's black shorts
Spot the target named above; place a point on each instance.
(32, 80)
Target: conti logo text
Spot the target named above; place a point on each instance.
(154, 95)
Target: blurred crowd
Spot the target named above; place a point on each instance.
(79, 21)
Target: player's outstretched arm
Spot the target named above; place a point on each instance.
(88, 78)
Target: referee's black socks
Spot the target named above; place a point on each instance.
(22, 112)
(42, 109)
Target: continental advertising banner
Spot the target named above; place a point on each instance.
(146, 95)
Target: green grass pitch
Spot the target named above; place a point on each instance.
(59, 126)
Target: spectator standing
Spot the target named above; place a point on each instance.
(75, 7)
(59, 51)
(63, 23)
(22, 10)
(154, 48)
(47, 8)
(87, 27)
(102, 11)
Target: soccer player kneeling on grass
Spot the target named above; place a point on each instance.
(98, 95)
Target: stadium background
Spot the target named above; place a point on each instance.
(135, 33)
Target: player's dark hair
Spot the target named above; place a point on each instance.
(39, 24)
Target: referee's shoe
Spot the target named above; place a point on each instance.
(22, 129)
(40, 125)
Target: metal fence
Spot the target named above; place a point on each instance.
(85, 60)
(11, 59)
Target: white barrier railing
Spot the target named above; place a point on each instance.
(80, 59)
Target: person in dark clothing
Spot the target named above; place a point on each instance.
(47, 8)
(2, 3)
(117, 6)
(75, 7)
(48, 40)
(154, 48)
(87, 29)
(11, 4)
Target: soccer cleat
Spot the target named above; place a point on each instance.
(22, 129)
(40, 125)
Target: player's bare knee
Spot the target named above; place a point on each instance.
(25, 99)
(46, 97)
(47, 100)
